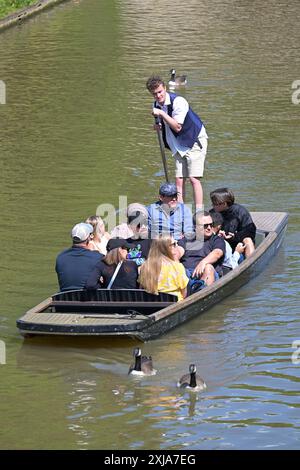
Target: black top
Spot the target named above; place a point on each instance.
(125, 279)
(198, 250)
(238, 220)
(139, 249)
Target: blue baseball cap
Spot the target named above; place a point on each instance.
(168, 189)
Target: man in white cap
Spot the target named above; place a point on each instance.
(74, 265)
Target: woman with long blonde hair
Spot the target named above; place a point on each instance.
(160, 272)
(99, 237)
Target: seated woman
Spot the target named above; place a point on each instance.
(99, 237)
(160, 272)
(114, 271)
(238, 225)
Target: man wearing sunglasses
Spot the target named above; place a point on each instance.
(204, 255)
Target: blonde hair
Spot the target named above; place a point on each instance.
(98, 225)
(112, 257)
(150, 270)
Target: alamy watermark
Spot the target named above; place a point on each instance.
(2, 352)
(2, 92)
(296, 93)
(176, 221)
(296, 354)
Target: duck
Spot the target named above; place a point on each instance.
(143, 364)
(192, 381)
(174, 81)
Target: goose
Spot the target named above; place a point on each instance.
(176, 81)
(143, 364)
(192, 381)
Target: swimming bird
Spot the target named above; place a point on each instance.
(192, 381)
(176, 82)
(142, 365)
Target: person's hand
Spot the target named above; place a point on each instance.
(240, 248)
(199, 269)
(156, 112)
(228, 235)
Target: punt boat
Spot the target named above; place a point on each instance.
(143, 316)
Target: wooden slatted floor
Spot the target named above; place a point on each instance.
(46, 318)
(268, 221)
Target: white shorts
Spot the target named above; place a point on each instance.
(192, 163)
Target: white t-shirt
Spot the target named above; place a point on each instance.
(180, 109)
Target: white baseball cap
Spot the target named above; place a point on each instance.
(81, 232)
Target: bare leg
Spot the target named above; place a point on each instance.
(180, 184)
(249, 246)
(197, 191)
(208, 275)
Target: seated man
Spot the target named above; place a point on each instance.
(204, 255)
(169, 217)
(231, 259)
(74, 265)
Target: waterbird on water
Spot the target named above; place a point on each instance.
(142, 365)
(178, 81)
(192, 381)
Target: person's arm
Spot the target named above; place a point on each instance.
(93, 281)
(180, 109)
(182, 280)
(212, 258)
(172, 123)
(184, 292)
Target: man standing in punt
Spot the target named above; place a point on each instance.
(184, 134)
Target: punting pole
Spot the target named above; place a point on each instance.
(162, 147)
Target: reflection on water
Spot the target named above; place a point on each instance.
(77, 132)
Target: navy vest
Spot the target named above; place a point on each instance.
(190, 129)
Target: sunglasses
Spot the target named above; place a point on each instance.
(172, 197)
(208, 225)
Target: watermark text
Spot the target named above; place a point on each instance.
(296, 354)
(2, 352)
(2, 92)
(296, 93)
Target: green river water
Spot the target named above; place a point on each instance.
(76, 132)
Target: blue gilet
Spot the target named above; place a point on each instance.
(191, 126)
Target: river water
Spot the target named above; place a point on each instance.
(76, 132)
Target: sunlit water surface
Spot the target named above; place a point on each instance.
(76, 132)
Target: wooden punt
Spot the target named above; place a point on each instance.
(137, 314)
